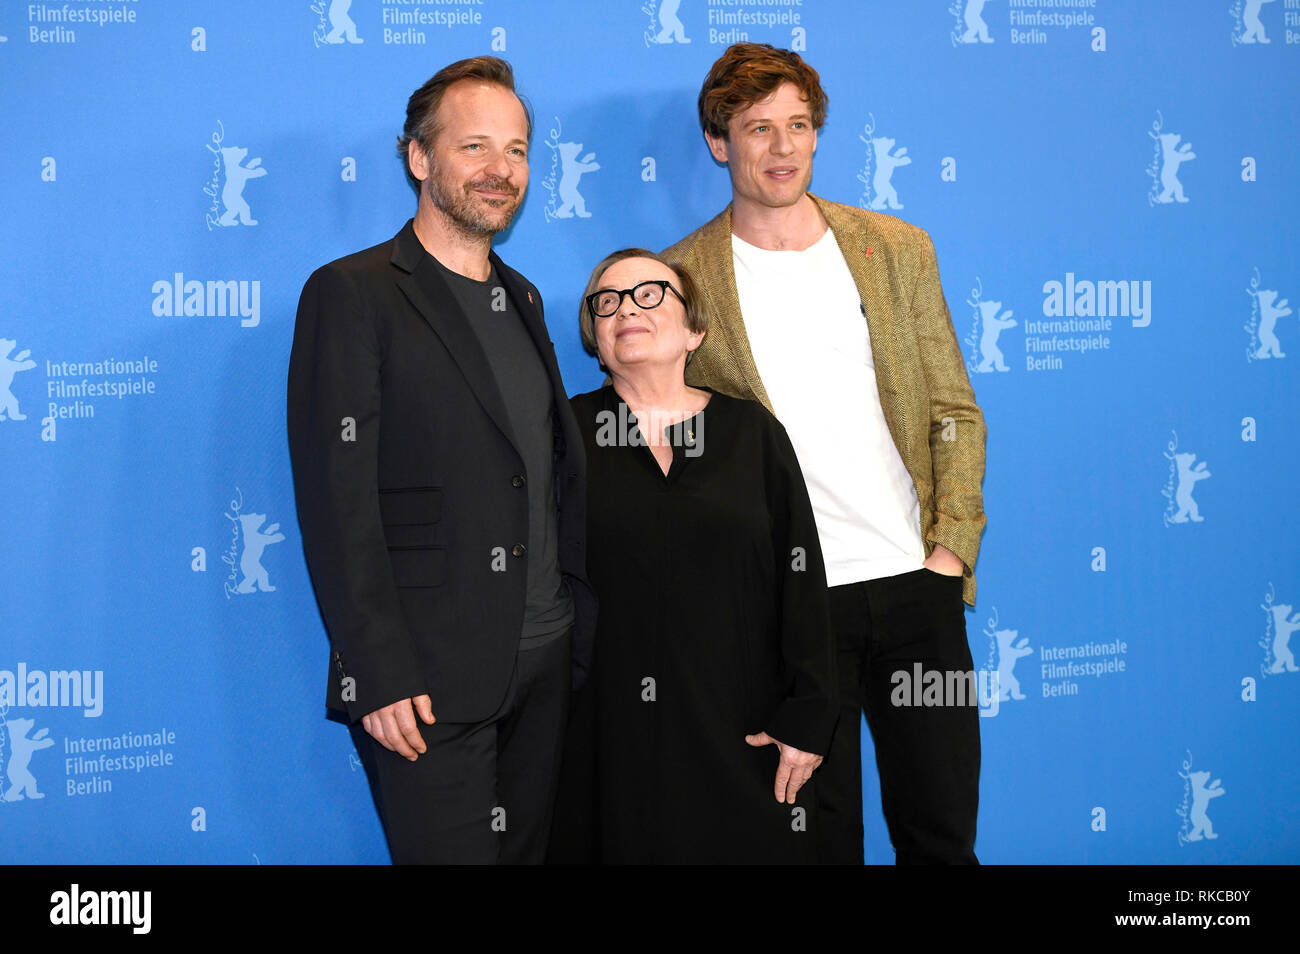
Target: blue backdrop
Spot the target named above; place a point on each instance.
(1112, 190)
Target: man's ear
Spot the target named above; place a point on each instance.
(417, 160)
(717, 146)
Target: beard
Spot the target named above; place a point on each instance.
(472, 214)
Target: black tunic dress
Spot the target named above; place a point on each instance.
(713, 625)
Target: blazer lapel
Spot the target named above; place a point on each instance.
(429, 294)
(870, 269)
(714, 249)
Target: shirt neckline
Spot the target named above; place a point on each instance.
(675, 440)
(749, 247)
(473, 282)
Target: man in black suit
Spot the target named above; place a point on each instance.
(441, 493)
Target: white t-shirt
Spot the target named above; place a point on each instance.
(808, 334)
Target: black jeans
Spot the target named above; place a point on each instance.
(928, 755)
(483, 792)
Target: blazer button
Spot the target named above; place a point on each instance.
(516, 481)
(518, 549)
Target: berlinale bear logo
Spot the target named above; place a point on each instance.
(1184, 475)
(1172, 156)
(571, 199)
(255, 542)
(877, 171)
(1010, 648)
(1201, 795)
(1270, 310)
(11, 364)
(232, 195)
(972, 18)
(248, 542)
(22, 784)
(1196, 799)
(1261, 328)
(1247, 26)
(886, 162)
(1187, 478)
(1169, 156)
(225, 187)
(342, 26)
(568, 166)
(1006, 648)
(992, 325)
(987, 325)
(1284, 625)
(670, 28)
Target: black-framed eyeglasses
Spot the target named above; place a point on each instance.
(647, 294)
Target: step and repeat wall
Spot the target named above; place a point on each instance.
(1111, 186)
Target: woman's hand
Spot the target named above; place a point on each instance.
(796, 767)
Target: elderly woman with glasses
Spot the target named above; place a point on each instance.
(710, 698)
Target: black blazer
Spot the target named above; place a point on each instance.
(413, 513)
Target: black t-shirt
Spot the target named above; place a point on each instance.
(530, 404)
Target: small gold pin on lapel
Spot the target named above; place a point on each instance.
(530, 294)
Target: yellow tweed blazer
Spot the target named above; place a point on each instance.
(927, 399)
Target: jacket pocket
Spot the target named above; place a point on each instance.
(411, 517)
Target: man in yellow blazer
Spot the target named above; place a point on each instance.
(889, 437)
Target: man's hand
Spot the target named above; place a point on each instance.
(944, 561)
(394, 726)
(796, 767)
